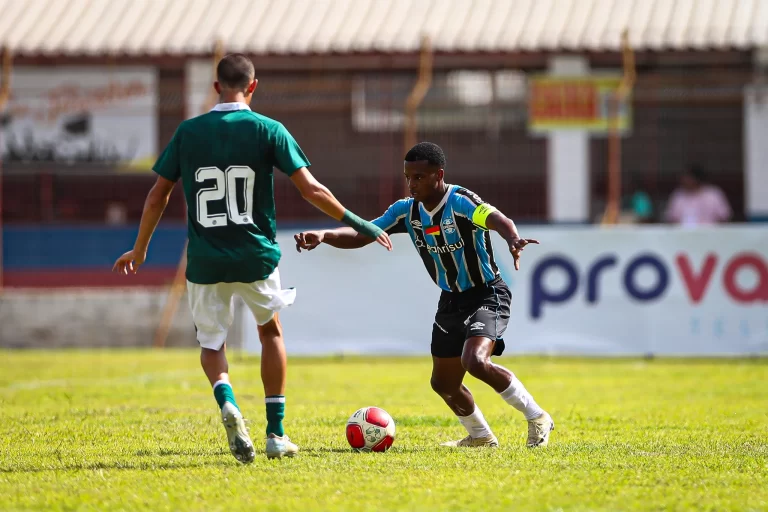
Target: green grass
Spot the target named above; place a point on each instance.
(140, 430)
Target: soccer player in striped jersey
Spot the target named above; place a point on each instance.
(449, 226)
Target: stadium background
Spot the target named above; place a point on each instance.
(97, 89)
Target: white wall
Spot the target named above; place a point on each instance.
(88, 318)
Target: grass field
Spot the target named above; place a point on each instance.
(140, 430)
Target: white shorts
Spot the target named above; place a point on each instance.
(212, 306)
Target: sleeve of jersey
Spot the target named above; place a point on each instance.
(480, 215)
(393, 220)
(475, 209)
(288, 155)
(168, 165)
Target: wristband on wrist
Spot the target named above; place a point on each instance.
(361, 226)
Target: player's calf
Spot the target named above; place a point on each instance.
(476, 360)
(457, 397)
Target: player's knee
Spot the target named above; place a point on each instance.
(442, 388)
(474, 363)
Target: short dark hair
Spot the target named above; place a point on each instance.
(697, 172)
(428, 151)
(235, 71)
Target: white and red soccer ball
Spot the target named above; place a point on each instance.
(371, 429)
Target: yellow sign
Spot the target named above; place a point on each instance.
(575, 103)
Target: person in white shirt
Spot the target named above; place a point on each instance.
(696, 202)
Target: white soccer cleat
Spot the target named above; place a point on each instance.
(539, 429)
(474, 442)
(278, 447)
(237, 434)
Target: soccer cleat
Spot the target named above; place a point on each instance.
(239, 441)
(474, 442)
(278, 447)
(539, 429)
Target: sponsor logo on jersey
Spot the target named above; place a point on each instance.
(442, 249)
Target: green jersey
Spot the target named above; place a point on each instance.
(225, 159)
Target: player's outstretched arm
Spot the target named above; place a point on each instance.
(504, 226)
(341, 238)
(319, 196)
(154, 206)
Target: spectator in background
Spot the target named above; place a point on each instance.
(697, 203)
(637, 206)
(642, 207)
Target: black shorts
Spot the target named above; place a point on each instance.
(479, 311)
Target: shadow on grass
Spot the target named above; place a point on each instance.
(122, 465)
(318, 452)
(171, 452)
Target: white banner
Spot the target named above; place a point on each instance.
(72, 115)
(584, 290)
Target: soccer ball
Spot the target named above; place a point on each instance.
(371, 429)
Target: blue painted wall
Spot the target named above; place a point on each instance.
(61, 247)
(73, 247)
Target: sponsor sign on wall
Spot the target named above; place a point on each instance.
(582, 291)
(574, 103)
(75, 115)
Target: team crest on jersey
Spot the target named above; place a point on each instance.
(449, 226)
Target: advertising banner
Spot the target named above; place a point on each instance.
(588, 291)
(81, 115)
(574, 103)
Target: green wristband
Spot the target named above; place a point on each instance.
(361, 226)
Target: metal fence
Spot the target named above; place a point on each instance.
(350, 125)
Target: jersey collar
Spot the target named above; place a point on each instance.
(228, 107)
(448, 191)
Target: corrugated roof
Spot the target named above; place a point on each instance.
(151, 27)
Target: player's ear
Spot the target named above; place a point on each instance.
(253, 85)
(217, 87)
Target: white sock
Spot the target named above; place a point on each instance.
(518, 397)
(475, 424)
(219, 383)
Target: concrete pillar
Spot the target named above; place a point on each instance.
(568, 194)
(756, 152)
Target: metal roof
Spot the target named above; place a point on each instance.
(152, 27)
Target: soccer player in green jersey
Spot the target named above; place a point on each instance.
(225, 160)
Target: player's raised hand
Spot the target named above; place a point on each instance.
(308, 240)
(129, 262)
(516, 247)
